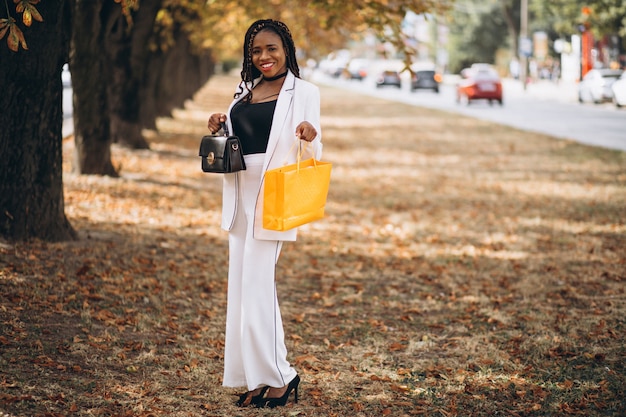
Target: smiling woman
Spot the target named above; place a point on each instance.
(272, 110)
(269, 56)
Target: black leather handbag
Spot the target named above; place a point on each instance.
(221, 154)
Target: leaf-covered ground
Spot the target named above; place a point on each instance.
(463, 269)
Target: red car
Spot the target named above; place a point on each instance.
(480, 81)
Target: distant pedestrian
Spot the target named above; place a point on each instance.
(514, 68)
(272, 108)
(533, 70)
(556, 72)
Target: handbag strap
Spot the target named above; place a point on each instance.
(236, 157)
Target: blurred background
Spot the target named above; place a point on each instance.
(415, 44)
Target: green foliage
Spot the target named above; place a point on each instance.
(479, 28)
(604, 16)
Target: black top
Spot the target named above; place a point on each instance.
(252, 123)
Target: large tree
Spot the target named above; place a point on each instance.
(138, 65)
(31, 185)
(90, 74)
(107, 62)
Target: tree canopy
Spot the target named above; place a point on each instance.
(318, 26)
(479, 28)
(604, 17)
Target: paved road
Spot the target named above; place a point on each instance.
(544, 107)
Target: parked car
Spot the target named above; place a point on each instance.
(389, 77)
(335, 63)
(425, 79)
(357, 69)
(619, 91)
(596, 85)
(479, 82)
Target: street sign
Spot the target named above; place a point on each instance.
(526, 47)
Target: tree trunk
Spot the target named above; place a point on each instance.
(90, 77)
(119, 82)
(510, 18)
(31, 167)
(175, 75)
(128, 52)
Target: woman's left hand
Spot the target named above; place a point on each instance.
(306, 131)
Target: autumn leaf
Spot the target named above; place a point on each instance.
(4, 26)
(28, 10)
(396, 346)
(400, 388)
(15, 38)
(31, 2)
(127, 7)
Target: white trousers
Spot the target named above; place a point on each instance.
(255, 352)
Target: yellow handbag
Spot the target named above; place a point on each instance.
(295, 194)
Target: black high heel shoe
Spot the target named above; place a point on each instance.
(254, 399)
(280, 401)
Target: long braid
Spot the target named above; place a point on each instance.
(249, 72)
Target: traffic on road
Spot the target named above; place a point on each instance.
(545, 107)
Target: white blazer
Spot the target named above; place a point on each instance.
(298, 101)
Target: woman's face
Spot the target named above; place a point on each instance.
(268, 53)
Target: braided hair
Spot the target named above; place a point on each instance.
(249, 72)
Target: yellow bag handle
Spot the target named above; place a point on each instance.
(299, 153)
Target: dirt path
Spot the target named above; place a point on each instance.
(464, 268)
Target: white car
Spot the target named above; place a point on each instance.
(596, 85)
(619, 91)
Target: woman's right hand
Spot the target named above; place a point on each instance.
(215, 122)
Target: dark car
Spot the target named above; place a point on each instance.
(480, 82)
(391, 78)
(425, 79)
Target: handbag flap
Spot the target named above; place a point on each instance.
(215, 144)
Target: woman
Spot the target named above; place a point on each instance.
(273, 109)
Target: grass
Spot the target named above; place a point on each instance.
(463, 269)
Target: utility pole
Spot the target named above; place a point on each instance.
(524, 41)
